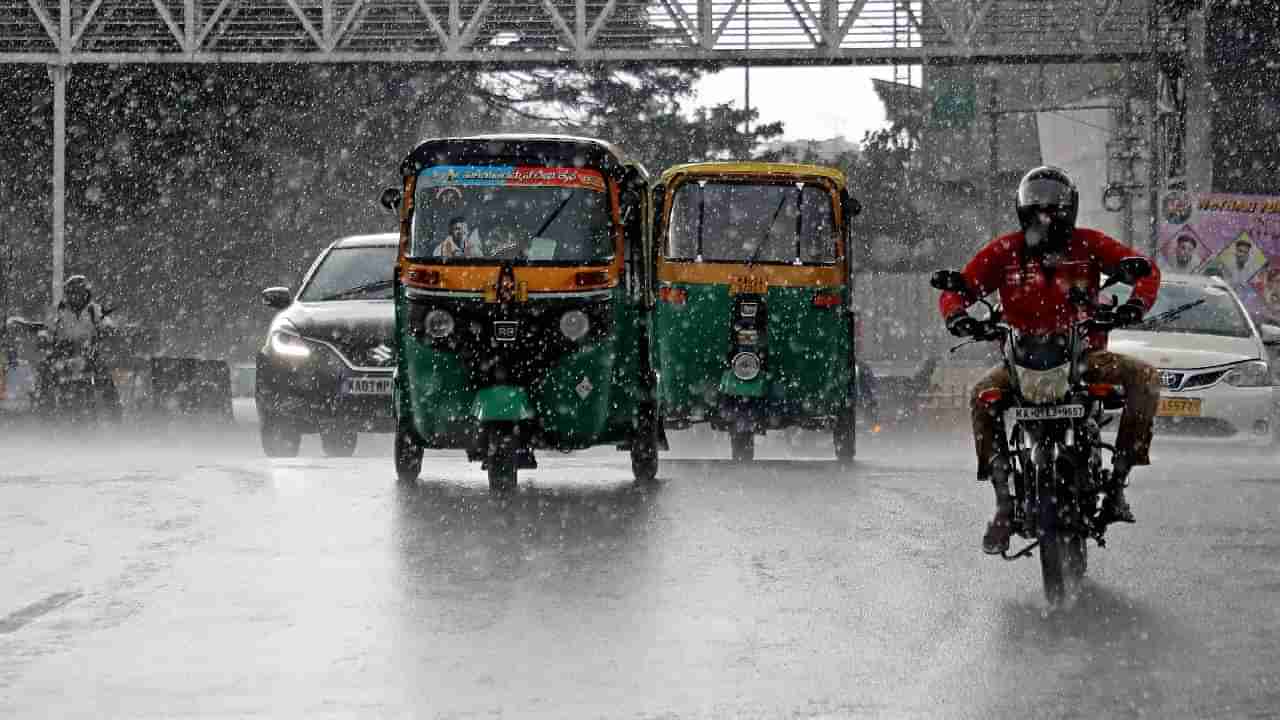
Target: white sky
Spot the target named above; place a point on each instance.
(813, 103)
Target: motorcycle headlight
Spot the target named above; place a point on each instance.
(285, 341)
(438, 324)
(746, 366)
(1044, 386)
(575, 324)
(1254, 373)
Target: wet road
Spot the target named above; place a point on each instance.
(159, 577)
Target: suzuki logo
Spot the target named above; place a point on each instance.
(381, 354)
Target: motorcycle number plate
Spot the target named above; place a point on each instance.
(367, 386)
(1048, 412)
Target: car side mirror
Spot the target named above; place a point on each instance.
(390, 199)
(1270, 334)
(1133, 269)
(277, 297)
(948, 281)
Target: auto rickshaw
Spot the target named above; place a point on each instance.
(753, 321)
(523, 291)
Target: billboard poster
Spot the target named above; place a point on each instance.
(1236, 237)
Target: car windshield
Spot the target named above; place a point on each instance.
(353, 273)
(485, 214)
(1217, 312)
(745, 222)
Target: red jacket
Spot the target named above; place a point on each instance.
(1034, 290)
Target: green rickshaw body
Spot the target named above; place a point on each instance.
(753, 322)
(523, 300)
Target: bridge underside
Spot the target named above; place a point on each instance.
(547, 32)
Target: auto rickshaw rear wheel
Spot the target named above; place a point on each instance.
(743, 444)
(280, 438)
(844, 438)
(408, 452)
(338, 442)
(644, 446)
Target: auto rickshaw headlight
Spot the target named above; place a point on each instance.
(575, 324)
(438, 324)
(746, 366)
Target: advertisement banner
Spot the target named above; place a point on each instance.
(1236, 237)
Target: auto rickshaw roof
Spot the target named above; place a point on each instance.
(600, 154)
(748, 168)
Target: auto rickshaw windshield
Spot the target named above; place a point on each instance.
(745, 222)
(525, 215)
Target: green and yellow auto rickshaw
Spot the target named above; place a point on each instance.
(753, 325)
(523, 290)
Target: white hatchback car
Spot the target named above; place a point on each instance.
(1213, 361)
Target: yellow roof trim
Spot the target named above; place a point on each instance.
(755, 168)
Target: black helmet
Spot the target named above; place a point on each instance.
(77, 285)
(77, 282)
(1048, 189)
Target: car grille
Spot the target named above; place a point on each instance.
(1176, 380)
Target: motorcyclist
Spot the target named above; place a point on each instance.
(1034, 269)
(74, 331)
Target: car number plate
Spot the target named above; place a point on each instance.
(367, 386)
(1048, 412)
(1178, 407)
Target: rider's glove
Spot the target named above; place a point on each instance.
(962, 325)
(1129, 313)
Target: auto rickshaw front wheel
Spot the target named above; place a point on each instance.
(644, 446)
(743, 445)
(501, 460)
(408, 452)
(338, 442)
(280, 438)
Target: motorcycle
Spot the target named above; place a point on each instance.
(71, 383)
(1053, 453)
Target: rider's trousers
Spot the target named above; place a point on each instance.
(1141, 385)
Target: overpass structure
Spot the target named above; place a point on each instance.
(513, 33)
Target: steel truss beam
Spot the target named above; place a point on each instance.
(542, 32)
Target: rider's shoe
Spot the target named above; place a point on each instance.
(1115, 508)
(996, 538)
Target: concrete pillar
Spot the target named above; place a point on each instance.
(58, 75)
(1199, 139)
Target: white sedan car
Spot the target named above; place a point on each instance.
(1213, 361)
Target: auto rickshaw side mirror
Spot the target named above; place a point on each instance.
(390, 199)
(1133, 269)
(852, 208)
(277, 297)
(948, 281)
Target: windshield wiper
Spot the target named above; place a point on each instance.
(555, 213)
(1168, 315)
(768, 231)
(359, 290)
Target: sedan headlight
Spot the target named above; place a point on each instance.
(575, 324)
(746, 366)
(438, 324)
(1254, 373)
(284, 340)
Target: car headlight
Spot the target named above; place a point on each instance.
(1254, 373)
(284, 340)
(575, 324)
(746, 366)
(438, 324)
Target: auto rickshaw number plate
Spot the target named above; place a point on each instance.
(747, 285)
(367, 386)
